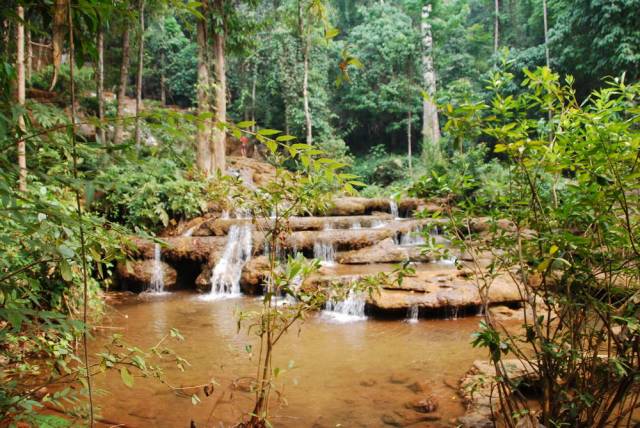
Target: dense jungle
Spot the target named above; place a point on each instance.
(320, 213)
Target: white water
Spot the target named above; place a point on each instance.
(378, 224)
(393, 208)
(412, 238)
(412, 314)
(225, 278)
(189, 232)
(356, 225)
(349, 310)
(157, 275)
(324, 252)
(447, 261)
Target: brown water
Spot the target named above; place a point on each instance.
(351, 374)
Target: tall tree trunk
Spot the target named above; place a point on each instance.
(220, 135)
(140, 70)
(59, 22)
(496, 27)
(163, 83)
(546, 33)
(254, 82)
(305, 76)
(100, 81)
(409, 154)
(203, 155)
(430, 125)
(21, 95)
(122, 89)
(29, 59)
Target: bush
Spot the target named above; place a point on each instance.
(381, 168)
(462, 175)
(147, 193)
(83, 77)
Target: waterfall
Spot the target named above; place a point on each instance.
(225, 278)
(413, 237)
(378, 224)
(348, 310)
(356, 225)
(324, 252)
(224, 215)
(412, 314)
(189, 232)
(447, 260)
(393, 208)
(157, 274)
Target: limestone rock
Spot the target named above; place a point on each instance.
(137, 274)
(479, 393)
(386, 251)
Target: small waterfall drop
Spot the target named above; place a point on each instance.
(225, 278)
(325, 252)
(348, 310)
(378, 224)
(356, 225)
(413, 237)
(189, 232)
(412, 314)
(156, 284)
(393, 208)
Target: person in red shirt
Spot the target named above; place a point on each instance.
(244, 144)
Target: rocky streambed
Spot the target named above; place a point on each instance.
(359, 237)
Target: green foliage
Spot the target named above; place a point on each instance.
(464, 175)
(380, 168)
(84, 80)
(566, 232)
(146, 194)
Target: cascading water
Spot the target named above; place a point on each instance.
(356, 225)
(156, 284)
(393, 208)
(189, 232)
(412, 314)
(378, 224)
(225, 278)
(325, 252)
(348, 310)
(413, 237)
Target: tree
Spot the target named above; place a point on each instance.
(21, 95)
(430, 124)
(219, 136)
(122, 87)
(203, 155)
(140, 70)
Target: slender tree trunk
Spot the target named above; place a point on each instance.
(21, 95)
(409, 155)
(140, 71)
(305, 95)
(546, 33)
(496, 27)
(100, 81)
(122, 89)
(29, 63)
(253, 95)
(203, 155)
(163, 83)
(220, 136)
(57, 39)
(305, 77)
(430, 125)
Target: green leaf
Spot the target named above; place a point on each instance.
(268, 131)
(126, 377)
(245, 124)
(65, 251)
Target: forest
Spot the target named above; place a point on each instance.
(320, 213)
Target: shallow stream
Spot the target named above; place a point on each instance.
(354, 374)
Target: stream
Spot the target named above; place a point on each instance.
(351, 374)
